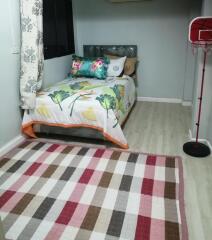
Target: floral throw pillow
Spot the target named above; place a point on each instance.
(89, 67)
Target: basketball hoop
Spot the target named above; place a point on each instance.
(200, 32)
(200, 36)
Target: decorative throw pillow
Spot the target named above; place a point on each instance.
(89, 67)
(129, 66)
(116, 67)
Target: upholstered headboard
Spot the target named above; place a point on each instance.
(118, 50)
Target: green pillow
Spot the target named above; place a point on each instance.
(89, 67)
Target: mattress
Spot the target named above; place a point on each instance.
(102, 105)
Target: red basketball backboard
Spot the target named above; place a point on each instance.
(200, 31)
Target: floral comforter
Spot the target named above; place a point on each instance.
(101, 105)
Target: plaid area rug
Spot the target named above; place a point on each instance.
(52, 191)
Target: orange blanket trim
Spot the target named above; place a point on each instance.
(27, 129)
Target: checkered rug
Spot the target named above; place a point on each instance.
(53, 191)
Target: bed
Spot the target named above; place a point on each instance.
(88, 103)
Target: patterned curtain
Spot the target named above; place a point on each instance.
(32, 57)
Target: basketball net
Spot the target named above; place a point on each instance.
(206, 47)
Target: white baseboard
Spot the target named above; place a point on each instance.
(11, 144)
(191, 138)
(164, 100)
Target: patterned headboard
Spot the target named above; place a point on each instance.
(118, 50)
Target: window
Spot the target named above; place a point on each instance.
(58, 31)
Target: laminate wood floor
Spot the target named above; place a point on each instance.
(162, 128)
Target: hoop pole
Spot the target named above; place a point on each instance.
(201, 93)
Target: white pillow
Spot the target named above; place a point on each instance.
(115, 67)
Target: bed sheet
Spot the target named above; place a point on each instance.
(83, 102)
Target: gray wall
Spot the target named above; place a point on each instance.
(191, 58)
(9, 71)
(55, 70)
(158, 27)
(206, 119)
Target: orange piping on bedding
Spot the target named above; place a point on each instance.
(28, 130)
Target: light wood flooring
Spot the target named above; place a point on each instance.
(162, 128)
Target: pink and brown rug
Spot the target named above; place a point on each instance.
(52, 191)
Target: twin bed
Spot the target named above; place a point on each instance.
(102, 105)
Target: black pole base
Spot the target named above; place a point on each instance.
(196, 149)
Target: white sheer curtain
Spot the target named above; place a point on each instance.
(32, 58)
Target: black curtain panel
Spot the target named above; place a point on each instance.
(58, 30)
